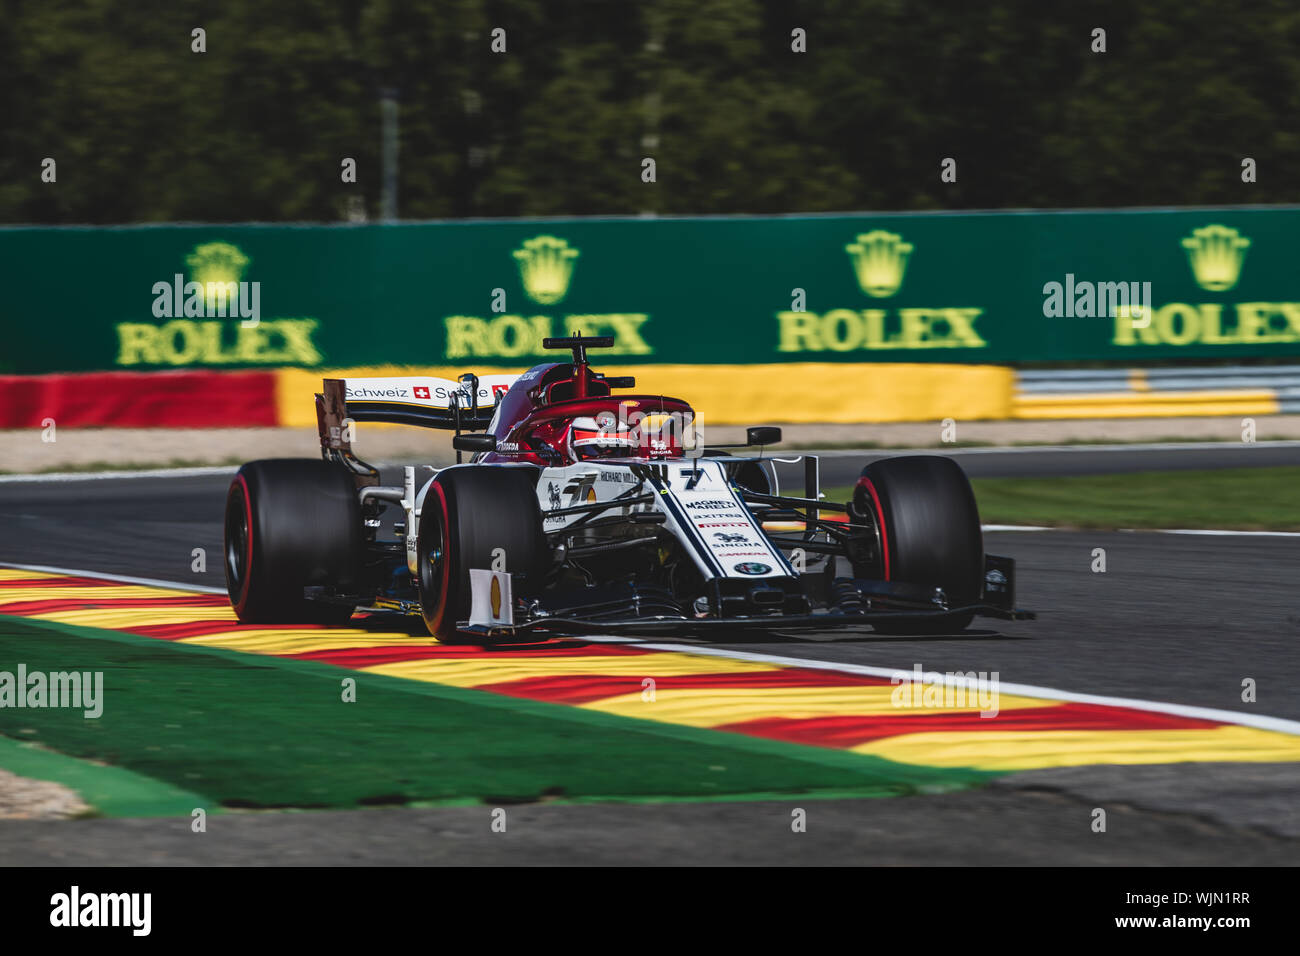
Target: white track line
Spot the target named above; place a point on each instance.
(1219, 532)
(1279, 724)
(1081, 448)
(60, 476)
(1242, 534)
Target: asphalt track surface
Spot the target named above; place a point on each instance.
(1181, 619)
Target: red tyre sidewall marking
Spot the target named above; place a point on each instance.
(248, 557)
(880, 520)
(446, 549)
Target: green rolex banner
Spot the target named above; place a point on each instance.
(1125, 286)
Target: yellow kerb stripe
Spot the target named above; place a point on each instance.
(80, 593)
(125, 618)
(478, 671)
(280, 641)
(711, 707)
(1027, 750)
(14, 574)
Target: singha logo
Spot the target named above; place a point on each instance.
(1216, 254)
(879, 261)
(545, 267)
(726, 536)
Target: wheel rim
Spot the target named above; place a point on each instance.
(869, 509)
(237, 542)
(431, 563)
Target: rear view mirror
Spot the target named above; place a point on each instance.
(762, 435)
(474, 443)
(469, 382)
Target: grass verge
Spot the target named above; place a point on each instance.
(1245, 499)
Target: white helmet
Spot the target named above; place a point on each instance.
(603, 436)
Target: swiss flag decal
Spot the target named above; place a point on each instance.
(421, 392)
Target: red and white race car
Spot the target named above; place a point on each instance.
(584, 509)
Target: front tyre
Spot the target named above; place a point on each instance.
(291, 523)
(475, 516)
(929, 531)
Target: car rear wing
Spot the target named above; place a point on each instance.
(425, 401)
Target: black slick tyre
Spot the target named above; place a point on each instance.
(471, 516)
(291, 523)
(929, 530)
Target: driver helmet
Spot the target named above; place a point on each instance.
(601, 436)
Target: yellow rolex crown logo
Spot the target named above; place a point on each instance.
(879, 261)
(218, 263)
(545, 267)
(1216, 254)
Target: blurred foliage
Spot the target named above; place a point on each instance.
(143, 129)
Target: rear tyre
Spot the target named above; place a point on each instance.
(929, 528)
(291, 523)
(468, 513)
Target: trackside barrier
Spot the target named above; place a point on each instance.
(978, 288)
(720, 394)
(1159, 392)
(806, 393)
(196, 399)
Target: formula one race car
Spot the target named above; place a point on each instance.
(583, 510)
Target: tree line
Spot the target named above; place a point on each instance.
(552, 107)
